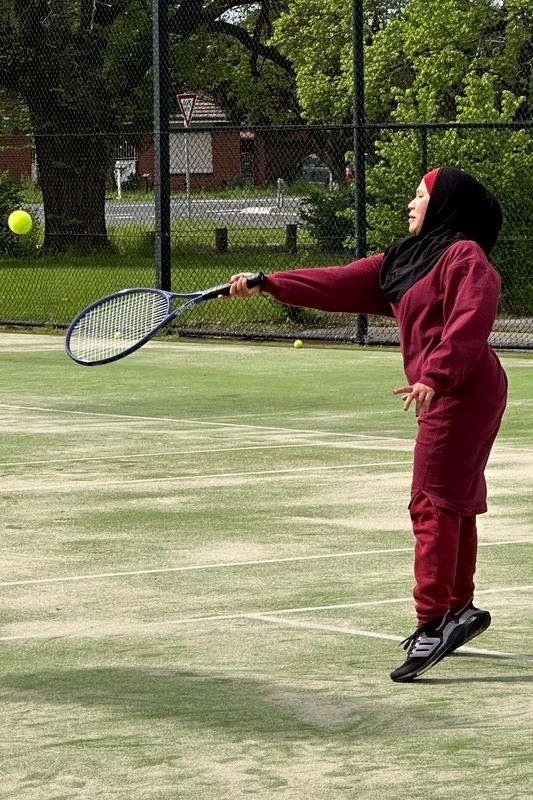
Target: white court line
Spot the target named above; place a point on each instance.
(159, 454)
(97, 632)
(253, 563)
(82, 485)
(209, 423)
(202, 451)
(316, 626)
(499, 448)
(198, 567)
(373, 635)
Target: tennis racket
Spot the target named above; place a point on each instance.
(120, 323)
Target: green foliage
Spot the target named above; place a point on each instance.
(328, 216)
(10, 199)
(501, 158)
(416, 65)
(316, 36)
(390, 185)
(465, 61)
(221, 67)
(459, 61)
(85, 71)
(14, 116)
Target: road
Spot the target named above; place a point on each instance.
(264, 212)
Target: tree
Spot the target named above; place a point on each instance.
(429, 61)
(83, 69)
(447, 61)
(469, 62)
(258, 92)
(14, 117)
(316, 36)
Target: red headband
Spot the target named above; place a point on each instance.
(430, 177)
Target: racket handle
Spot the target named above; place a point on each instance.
(253, 280)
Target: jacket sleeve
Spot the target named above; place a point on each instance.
(352, 289)
(471, 296)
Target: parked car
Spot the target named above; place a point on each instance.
(315, 171)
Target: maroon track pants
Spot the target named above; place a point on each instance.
(445, 558)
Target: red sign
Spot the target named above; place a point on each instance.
(186, 103)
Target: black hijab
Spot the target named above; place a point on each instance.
(459, 207)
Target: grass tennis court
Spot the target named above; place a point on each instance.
(207, 574)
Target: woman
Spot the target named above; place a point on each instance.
(443, 292)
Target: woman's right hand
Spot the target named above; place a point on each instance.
(420, 393)
(239, 286)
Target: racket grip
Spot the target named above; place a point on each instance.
(254, 280)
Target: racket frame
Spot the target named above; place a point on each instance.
(191, 299)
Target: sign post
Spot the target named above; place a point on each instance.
(186, 103)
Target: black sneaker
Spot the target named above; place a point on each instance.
(474, 620)
(430, 643)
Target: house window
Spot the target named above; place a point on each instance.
(124, 150)
(200, 149)
(247, 158)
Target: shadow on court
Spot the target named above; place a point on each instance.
(241, 706)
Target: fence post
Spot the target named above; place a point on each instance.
(291, 234)
(221, 240)
(280, 184)
(424, 149)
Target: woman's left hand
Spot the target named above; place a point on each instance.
(420, 393)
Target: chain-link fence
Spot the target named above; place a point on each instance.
(263, 199)
(133, 179)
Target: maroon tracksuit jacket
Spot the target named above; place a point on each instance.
(444, 322)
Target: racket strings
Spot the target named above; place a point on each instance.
(117, 324)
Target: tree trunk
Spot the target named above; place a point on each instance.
(72, 173)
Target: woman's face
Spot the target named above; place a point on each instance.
(417, 209)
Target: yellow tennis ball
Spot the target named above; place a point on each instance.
(118, 335)
(298, 343)
(20, 221)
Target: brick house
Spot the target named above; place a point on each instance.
(219, 154)
(16, 156)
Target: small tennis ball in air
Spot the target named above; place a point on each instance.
(298, 343)
(118, 335)
(20, 221)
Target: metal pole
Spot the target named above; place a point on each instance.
(187, 176)
(161, 143)
(424, 149)
(359, 147)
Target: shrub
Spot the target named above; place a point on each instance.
(328, 216)
(10, 199)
